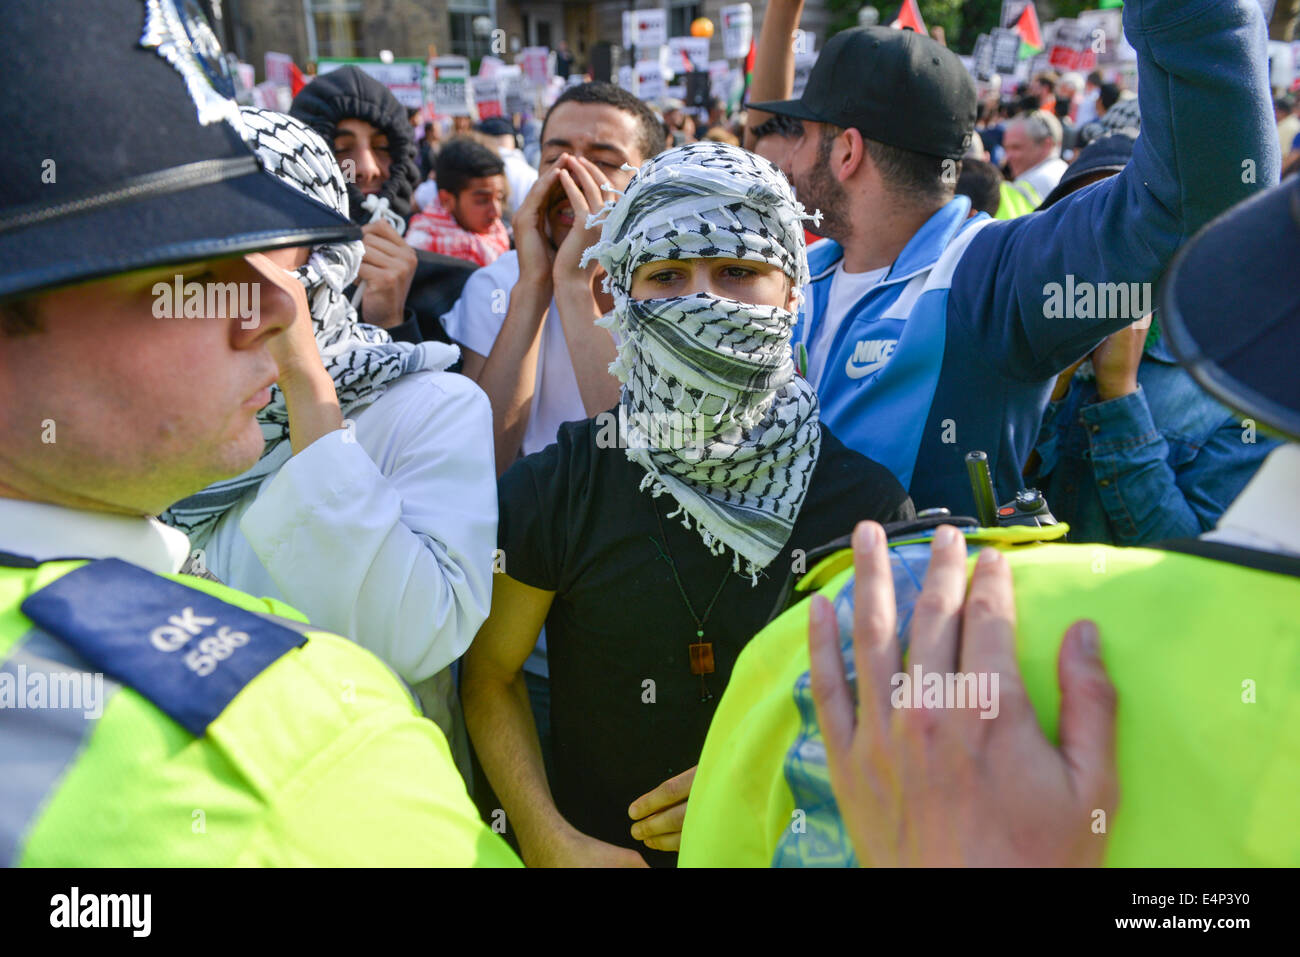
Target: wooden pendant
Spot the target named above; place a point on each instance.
(701, 658)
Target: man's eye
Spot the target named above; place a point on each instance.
(665, 277)
(739, 272)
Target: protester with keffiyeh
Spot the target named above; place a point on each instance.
(383, 529)
(652, 540)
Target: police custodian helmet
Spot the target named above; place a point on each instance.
(122, 151)
(1230, 307)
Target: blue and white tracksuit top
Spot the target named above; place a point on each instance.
(956, 349)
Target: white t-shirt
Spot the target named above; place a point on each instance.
(1044, 177)
(846, 289)
(475, 322)
(521, 177)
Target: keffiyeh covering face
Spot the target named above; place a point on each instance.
(742, 467)
(362, 359)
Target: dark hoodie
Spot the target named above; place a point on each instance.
(349, 92)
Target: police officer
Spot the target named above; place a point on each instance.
(148, 717)
(1197, 641)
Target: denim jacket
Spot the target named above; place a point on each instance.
(1163, 462)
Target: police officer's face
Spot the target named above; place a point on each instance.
(111, 405)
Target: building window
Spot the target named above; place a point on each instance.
(338, 28)
(463, 39)
(680, 18)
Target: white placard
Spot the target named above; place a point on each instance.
(687, 54)
(650, 80)
(451, 97)
(489, 96)
(449, 67)
(737, 29)
(279, 68)
(536, 62)
(645, 28)
(803, 64)
(404, 78)
(489, 66)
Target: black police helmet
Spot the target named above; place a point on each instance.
(120, 150)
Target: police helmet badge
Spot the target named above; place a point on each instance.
(179, 33)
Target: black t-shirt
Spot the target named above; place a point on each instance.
(626, 711)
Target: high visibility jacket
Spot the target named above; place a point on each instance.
(1204, 654)
(1016, 200)
(170, 721)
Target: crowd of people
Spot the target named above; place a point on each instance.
(558, 422)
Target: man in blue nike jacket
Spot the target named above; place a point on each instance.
(928, 334)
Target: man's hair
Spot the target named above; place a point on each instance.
(786, 127)
(1047, 80)
(462, 159)
(651, 140)
(913, 177)
(982, 182)
(1108, 95)
(1039, 126)
(1095, 78)
(1284, 104)
(19, 317)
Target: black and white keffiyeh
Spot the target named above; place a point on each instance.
(362, 359)
(711, 405)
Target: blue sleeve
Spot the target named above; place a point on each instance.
(1145, 498)
(1051, 434)
(1208, 142)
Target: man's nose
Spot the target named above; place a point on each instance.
(367, 166)
(700, 281)
(272, 307)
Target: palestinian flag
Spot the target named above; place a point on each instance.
(749, 72)
(909, 17)
(1031, 37)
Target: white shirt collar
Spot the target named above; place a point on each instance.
(45, 532)
(1265, 515)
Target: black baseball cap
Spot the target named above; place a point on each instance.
(896, 87)
(120, 150)
(1230, 308)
